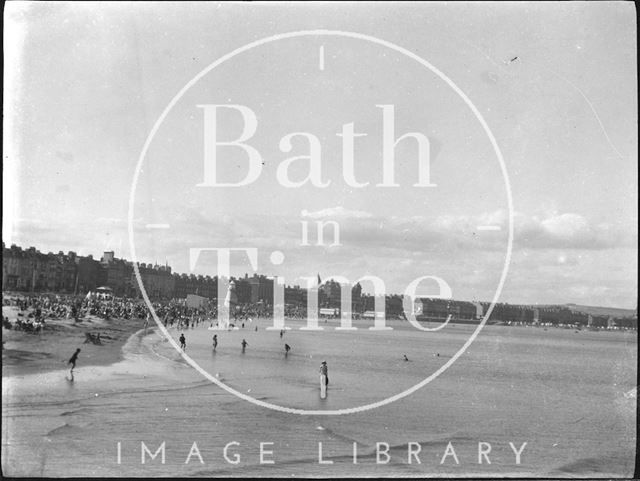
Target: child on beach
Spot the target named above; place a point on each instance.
(183, 342)
(215, 341)
(73, 359)
(287, 348)
(244, 345)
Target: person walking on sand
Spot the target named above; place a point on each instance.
(73, 359)
(183, 342)
(324, 370)
(287, 348)
(244, 345)
(215, 341)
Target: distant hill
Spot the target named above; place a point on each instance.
(602, 311)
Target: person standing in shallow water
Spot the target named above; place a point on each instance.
(73, 359)
(244, 345)
(215, 341)
(324, 369)
(183, 342)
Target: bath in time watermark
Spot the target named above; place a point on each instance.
(241, 124)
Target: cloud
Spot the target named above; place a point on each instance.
(571, 231)
(84, 237)
(451, 233)
(444, 235)
(362, 233)
(110, 220)
(65, 156)
(557, 257)
(337, 212)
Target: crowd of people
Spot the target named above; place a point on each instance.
(55, 306)
(29, 324)
(35, 309)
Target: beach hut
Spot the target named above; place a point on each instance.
(103, 292)
(195, 301)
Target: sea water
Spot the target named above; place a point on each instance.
(570, 396)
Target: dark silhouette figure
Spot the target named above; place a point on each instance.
(73, 359)
(324, 369)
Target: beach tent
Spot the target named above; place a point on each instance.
(103, 292)
(195, 301)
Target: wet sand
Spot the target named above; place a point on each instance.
(50, 350)
(570, 396)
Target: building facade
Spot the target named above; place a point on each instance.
(29, 270)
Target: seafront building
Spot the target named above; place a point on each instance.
(29, 270)
(32, 271)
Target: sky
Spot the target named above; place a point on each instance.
(555, 83)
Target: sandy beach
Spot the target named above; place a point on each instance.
(571, 399)
(26, 353)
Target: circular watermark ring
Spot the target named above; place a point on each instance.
(308, 33)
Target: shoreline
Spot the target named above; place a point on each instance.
(24, 353)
